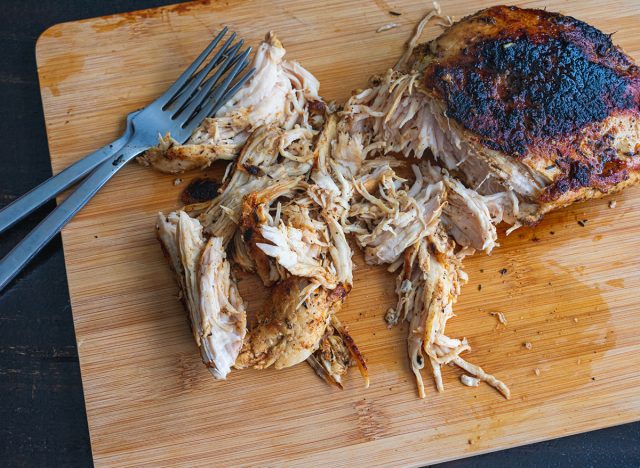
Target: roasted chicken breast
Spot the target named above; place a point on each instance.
(541, 103)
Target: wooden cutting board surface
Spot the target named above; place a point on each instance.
(571, 291)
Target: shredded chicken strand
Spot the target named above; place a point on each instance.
(413, 40)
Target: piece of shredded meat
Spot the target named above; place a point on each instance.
(291, 326)
(216, 310)
(428, 247)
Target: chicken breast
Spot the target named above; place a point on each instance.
(541, 103)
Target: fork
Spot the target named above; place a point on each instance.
(192, 97)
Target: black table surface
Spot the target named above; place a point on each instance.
(42, 414)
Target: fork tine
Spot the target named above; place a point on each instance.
(212, 108)
(227, 65)
(201, 96)
(208, 100)
(215, 95)
(236, 87)
(195, 99)
(217, 104)
(236, 58)
(230, 52)
(214, 102)
(182, 79)
(182, 99)
(216, 60)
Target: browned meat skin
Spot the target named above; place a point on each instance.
(544, 90)
(200, 190)
(287, 332)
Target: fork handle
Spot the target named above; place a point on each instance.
(33, 242)
(48, 189)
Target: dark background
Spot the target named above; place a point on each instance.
(42, 415)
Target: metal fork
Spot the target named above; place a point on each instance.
(199, 92)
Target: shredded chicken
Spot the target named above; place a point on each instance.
(388, 117)
(428, 287)
(255, 215)
(386, 224)
(293, 235)
(467, 215)
(216, 310)
(280, 212)
(500, 316)
(411, 44)
(291, 326)
(271, 158)
(426, 227)
(386, 27)
(298, 251)
(395, 116)
(305, 177)
(469, 381)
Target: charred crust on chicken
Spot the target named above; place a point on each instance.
(200, 190)
(543, 89)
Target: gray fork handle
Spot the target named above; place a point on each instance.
(22, 253)
(48, 189)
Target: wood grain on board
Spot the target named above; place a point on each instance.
(569, 290)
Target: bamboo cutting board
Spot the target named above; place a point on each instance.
(571, 291)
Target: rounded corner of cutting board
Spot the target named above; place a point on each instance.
(51, 32)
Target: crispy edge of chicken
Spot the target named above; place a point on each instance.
(336, 354)
(280, 92)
